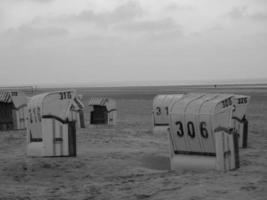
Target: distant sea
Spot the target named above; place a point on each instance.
(142, 87)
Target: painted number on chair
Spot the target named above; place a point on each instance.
(191, 131)
(35, 115)
(227, 102)
(14, 94)
(158, 110)
(65, 95)
(242, 100)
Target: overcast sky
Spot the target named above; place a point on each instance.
(68, 41)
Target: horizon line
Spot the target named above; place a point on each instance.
(258, 81)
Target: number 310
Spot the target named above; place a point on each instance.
(65, 95)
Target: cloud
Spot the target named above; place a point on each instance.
(161, 25)
(25, 34)
(239, 13)
(122, 13)
(31, 32)
(127, 19)
(42, 1)
(261, 16)
(174, 7)
(216, 27)
(35, 1)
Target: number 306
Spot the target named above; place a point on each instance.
(191, 129)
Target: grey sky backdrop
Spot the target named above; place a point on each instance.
(67, 41)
